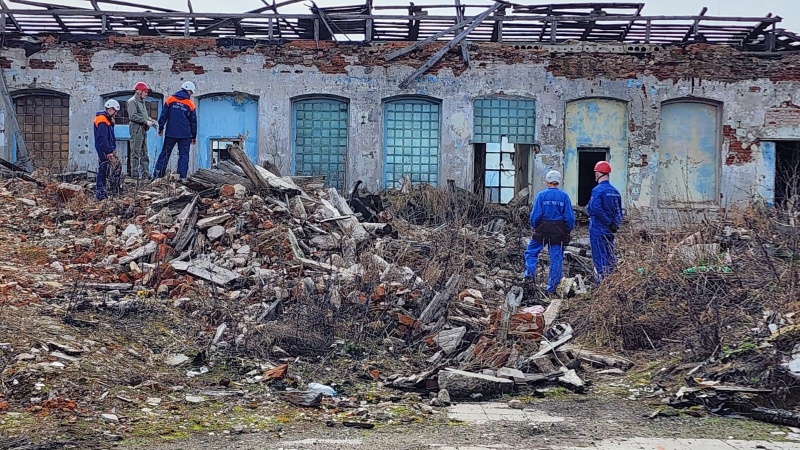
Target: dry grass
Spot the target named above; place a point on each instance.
(651, 303)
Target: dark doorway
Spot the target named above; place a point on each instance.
(587, 158)
(787, 174)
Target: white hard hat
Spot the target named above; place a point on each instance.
(553, 177)
(188, 86)
(112, 104)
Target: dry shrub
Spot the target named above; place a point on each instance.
(650, 302)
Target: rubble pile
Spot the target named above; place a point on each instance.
(723, 297)
(262, 279)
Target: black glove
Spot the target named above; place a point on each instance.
(613, 227)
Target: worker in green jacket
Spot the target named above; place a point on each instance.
(140, 122)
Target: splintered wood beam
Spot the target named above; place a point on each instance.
(456, 40)
(460, 18)
(693, 29)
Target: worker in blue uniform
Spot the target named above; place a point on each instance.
(105, 143)
(178, 125)
(605, 218)
(552, 220)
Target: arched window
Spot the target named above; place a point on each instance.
(503, 134)
(43, 118)
(319, 138)
(689, 149)
(411, 130)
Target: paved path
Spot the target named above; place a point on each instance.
(649, 444)
(481, 413)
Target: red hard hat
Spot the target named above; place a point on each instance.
(141, 86)
(602, 167)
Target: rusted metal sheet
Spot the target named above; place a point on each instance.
(688, 162)
(599, 123)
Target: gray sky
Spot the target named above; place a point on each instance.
(789, 10)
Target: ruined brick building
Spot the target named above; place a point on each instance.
(693, 112)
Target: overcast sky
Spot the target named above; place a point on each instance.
(789, 10)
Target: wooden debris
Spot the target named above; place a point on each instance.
(598, 359)
(438, 304)
(109, 286)
(206, 271)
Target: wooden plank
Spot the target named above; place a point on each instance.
(443, 51)
(438, 305)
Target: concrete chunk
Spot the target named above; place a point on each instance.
(461, 384)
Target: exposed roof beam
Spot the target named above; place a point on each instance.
(544, 23)
(460, 18)
(191, 10)
(10, 16)
(274, 7)
(630, 24)
(60, 23)
(693, 28)
(428, 40)
(756, 30)
(134, 5)
(456, 40)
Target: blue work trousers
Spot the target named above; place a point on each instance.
(556, 252)
(603, 257)
(166, 152)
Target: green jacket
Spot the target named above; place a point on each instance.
(137, 113)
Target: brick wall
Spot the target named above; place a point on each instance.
(35, 63)
(699, 61)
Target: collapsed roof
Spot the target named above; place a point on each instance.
(498, 22)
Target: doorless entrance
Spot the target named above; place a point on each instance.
(587, 158)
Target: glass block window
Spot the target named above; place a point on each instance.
(320, 139)
(411, 148)
(513, 118)
(499, 174)
(219, 149)
(122, 115)
(44, 122)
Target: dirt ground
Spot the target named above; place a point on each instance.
(587, 420)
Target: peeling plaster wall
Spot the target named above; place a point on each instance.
(758, 101)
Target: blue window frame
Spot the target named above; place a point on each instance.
(411, 141)
(320, 139)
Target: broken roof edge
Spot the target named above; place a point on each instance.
(542, 24)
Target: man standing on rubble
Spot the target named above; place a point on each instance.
(552, 220)
(179, 119)
(105, 143)
(605, 218)
(140, 122)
